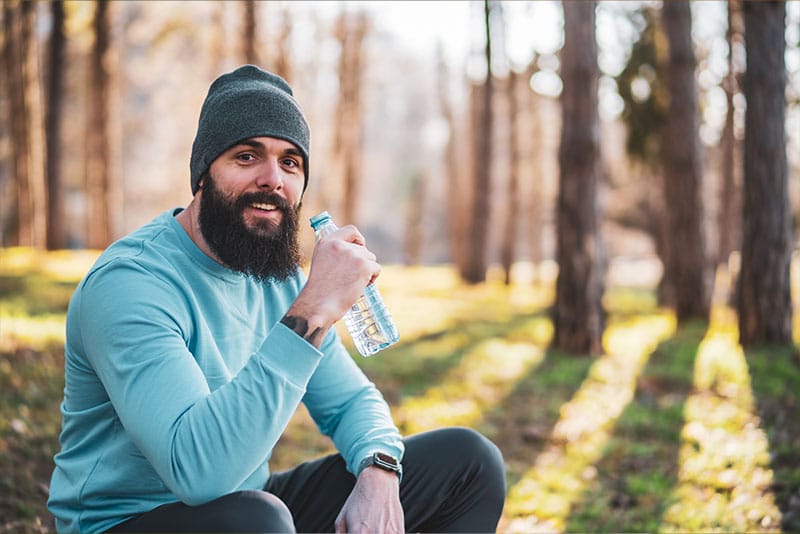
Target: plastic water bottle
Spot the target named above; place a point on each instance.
(369, 322)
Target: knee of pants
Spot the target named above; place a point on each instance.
(476, 447)
(258, 511)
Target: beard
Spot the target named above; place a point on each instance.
(265, 251)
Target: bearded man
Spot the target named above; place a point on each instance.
(192, 341)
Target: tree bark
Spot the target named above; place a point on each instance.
(455, 202)
(56, 225)
(474, 271)
(577, 313)
(98, 180)
(686, 255)
(249, 27)
(508, 246)
(26, 123)
(351, 31)
(765, 310)
(729, 221)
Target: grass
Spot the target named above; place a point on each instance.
(672, 429)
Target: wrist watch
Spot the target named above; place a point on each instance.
(384, 461)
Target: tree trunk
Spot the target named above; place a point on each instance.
(730, 199)
(508, 246)
(56, 225)
(283, 62)
(577, 313)
(412, 243)
(686, 261)
(249, 27)
(98, 180)
(765, 309)
(455, 202)
(26, 123)
(474, 270)
(351, 31)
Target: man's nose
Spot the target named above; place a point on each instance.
(270, 177)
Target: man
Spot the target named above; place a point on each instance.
(191, 342)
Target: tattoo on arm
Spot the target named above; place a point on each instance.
(300, 326)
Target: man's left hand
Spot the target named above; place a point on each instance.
(374, 504)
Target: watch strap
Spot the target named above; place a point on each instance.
(383, 461)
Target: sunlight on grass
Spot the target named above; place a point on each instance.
(58, 264)
(542, 499)
(724, 479)
(483, 378)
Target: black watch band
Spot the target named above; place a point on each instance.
(383, 461)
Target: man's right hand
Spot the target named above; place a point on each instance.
(341, 267)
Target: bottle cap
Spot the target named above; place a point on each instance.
(319, 219)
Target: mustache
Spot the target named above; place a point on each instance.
(264, 198)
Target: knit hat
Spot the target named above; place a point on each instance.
(247, 102)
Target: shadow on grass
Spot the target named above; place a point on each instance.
(639, 468)
(775, 378)
(31, 383)
(411, 367)
(523, 424)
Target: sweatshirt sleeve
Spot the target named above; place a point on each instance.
(348, 407)
(202, 444)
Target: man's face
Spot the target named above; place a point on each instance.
(249, 207)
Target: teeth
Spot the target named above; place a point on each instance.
(266, 207)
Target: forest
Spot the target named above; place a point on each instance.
(586, 212)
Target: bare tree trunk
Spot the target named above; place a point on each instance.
(508, 246)
(577, 313)
(455, 202)
(216, 39)
(283, 61)
(412, 244)
(683, 171)
(765, 308)
(475, 266)
(730, 200)
(351, 31)
(56, 225)
(98, 179)
(249, 27)
(27, 123)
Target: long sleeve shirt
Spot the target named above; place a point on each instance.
(180, 379)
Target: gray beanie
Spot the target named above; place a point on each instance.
(247, 102)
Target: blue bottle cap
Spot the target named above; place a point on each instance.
(320, 218)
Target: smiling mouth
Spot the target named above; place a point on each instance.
(263, 207)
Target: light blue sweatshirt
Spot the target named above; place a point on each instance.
(180, 379)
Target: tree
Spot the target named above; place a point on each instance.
(686, 253)
(641, 84)
(508, 245)
(730, 201)
(98, 150)
(56, 236)
(577, 313)
(454, 200)
(25, 120)
(764, 301)
(351, 31)
(473, 270)
(249, 31)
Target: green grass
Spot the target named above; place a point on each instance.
(673, 429)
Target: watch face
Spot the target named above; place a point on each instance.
(386, 459)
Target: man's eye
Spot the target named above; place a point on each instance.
(289, 162)
(246, 157)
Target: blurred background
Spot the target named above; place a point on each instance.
(391, 91)
(541, 179)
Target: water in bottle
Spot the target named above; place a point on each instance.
(369, 322)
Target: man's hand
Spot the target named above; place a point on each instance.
(341, 267)
(374, 504)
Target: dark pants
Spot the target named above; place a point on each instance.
(453, 481)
